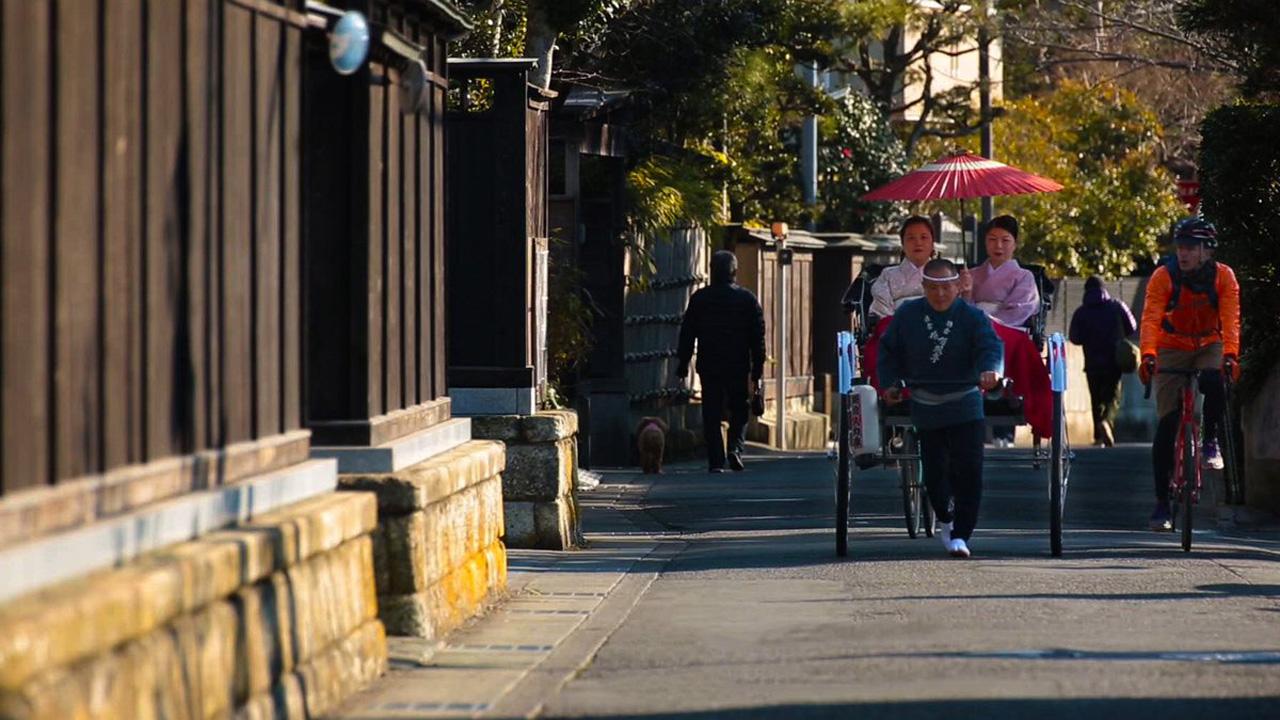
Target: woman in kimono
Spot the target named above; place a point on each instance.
(903, 282)
(1001, 287)
(1007, 293)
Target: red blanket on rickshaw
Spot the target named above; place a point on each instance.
(1022, 364)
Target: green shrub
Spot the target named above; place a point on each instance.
(1240, 193)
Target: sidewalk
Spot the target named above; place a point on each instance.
(507, 662)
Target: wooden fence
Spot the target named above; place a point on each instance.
(151, 232)
(654, 309)
(375, 219)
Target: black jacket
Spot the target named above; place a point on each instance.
(728, 325)
(1098, 324)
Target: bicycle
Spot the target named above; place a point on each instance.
(1185, 482)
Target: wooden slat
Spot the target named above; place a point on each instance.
(200, 103)
(438, 330)
(268, 115)
(426, 210)
(375, 268)
(413, 201)
(393, 202)
(291, 219)
(78, 435)
(122, 226)
(24, 255)
(237, 224)
(166, 363)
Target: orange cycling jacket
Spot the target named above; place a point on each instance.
(1194, 323)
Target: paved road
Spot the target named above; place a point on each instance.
(721, 596)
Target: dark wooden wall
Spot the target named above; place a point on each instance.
(375, 229)
(497, 215)
(151, 231)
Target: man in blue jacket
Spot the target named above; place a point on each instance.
(944, 349)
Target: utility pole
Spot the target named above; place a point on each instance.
(809, 152)
(984, 108)
(780, 294)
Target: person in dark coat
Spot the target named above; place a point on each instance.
(1097, 325)
(727, 324)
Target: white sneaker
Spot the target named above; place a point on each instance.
(944, 535)
(959, 549)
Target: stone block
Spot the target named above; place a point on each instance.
(556, 524)
(420, 548)
(521, 530)
(543, 471)
(266, 645)
(432, 480)
(549, 426)
(343, 668)
(448, 603)
(504, 428)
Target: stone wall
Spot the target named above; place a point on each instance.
(539, 498)
(1260, 418)
(438, 551)
(274, 618)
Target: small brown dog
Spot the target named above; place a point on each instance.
(651, 440)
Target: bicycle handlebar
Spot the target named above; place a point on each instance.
(1184, 372)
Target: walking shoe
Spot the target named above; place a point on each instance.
(715, 471)
(944, 534)
(1211, 458)
(735, 462)
(1161, 520)
(959, 548)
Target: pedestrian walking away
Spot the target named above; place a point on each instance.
(1100, 325)
(1190, 321)
(726, 323)
(944, 349)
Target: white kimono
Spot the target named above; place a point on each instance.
(896, 285)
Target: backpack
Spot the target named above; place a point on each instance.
(1198, 285)
(1209, 269)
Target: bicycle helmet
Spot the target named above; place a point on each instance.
(1195, 231)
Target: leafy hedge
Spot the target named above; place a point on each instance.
(1240, 191)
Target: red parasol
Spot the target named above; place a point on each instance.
(962, 175)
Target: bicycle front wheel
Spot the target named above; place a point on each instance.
(1057, 476)
(844, 470)
(1190, 472)
(911, 485)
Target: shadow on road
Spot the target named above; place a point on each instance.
(1040, 709)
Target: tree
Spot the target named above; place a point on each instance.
(890, 44)
(1135, 44)
(1102, 144)
(528, 28)
(858, 153)
(1244, 35)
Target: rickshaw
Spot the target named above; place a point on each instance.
(870, 433)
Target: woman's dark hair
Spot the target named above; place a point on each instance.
(1007, 223)
(916, 220)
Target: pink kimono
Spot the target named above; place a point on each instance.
(1007, 293)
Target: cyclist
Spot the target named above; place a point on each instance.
(1190, 320)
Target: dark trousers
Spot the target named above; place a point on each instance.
(723, 394)
(952, 461)
(1162, 453)
(1215, 403)
(1104, 395)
